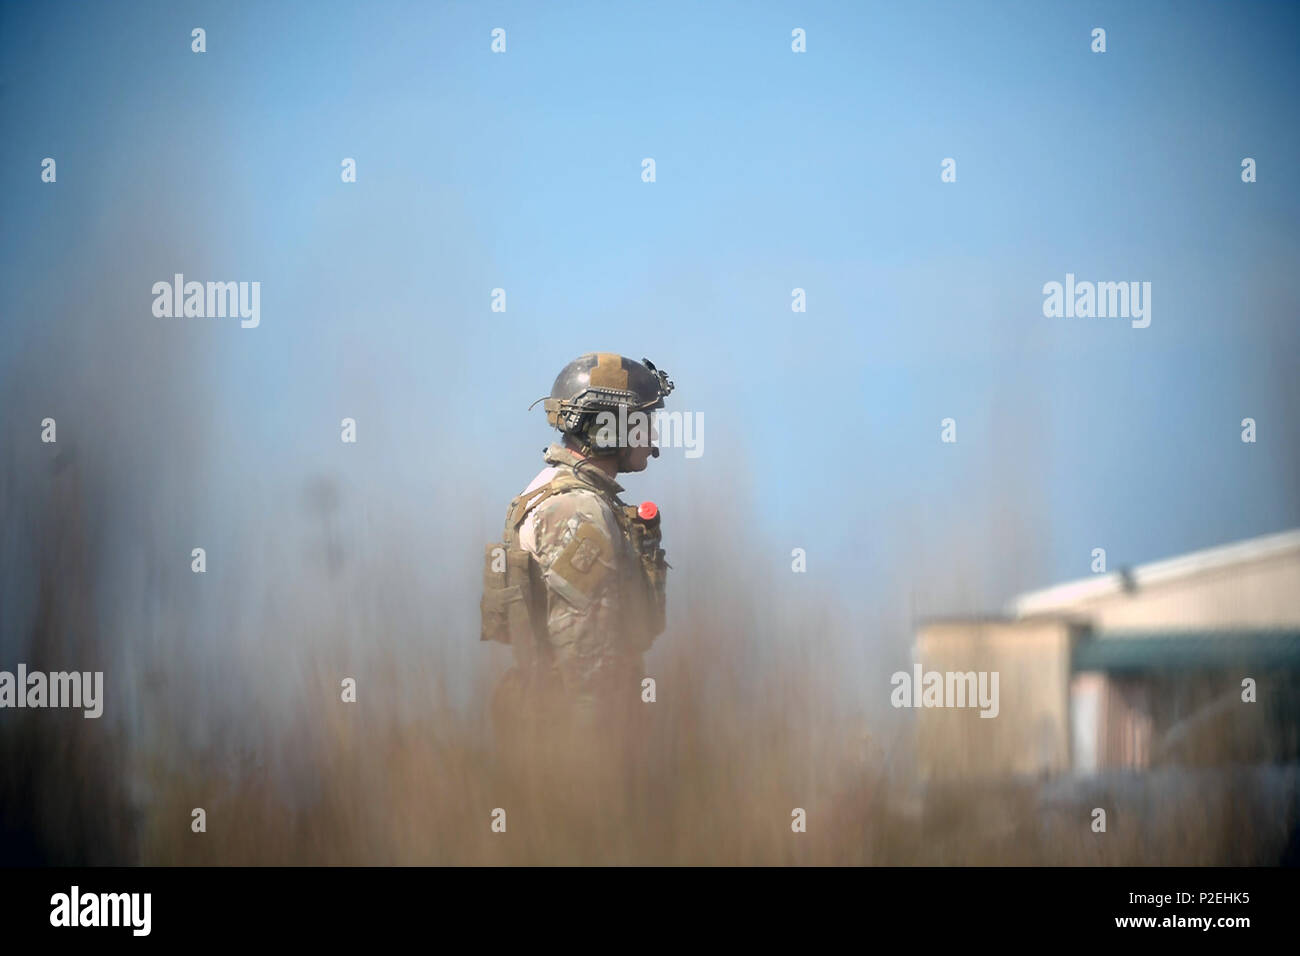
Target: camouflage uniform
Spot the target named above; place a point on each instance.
(576, 585)
(600, 613)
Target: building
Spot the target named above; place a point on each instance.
(1190, 661)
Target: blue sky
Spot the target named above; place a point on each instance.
(774, 171)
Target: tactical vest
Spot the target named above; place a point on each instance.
(513, 607)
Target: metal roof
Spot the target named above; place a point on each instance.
(1068, 596)
(1141, 651)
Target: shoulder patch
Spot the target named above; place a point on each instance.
(581, 565)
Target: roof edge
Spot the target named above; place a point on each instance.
(1058, 597)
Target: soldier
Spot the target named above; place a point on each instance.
(577, 585)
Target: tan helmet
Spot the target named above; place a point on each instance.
(602, 382)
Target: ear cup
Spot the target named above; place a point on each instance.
(591, 431)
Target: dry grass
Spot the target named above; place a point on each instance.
(750, 723)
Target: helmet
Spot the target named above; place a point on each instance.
(602, 382)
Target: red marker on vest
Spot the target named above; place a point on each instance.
(647, 511)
